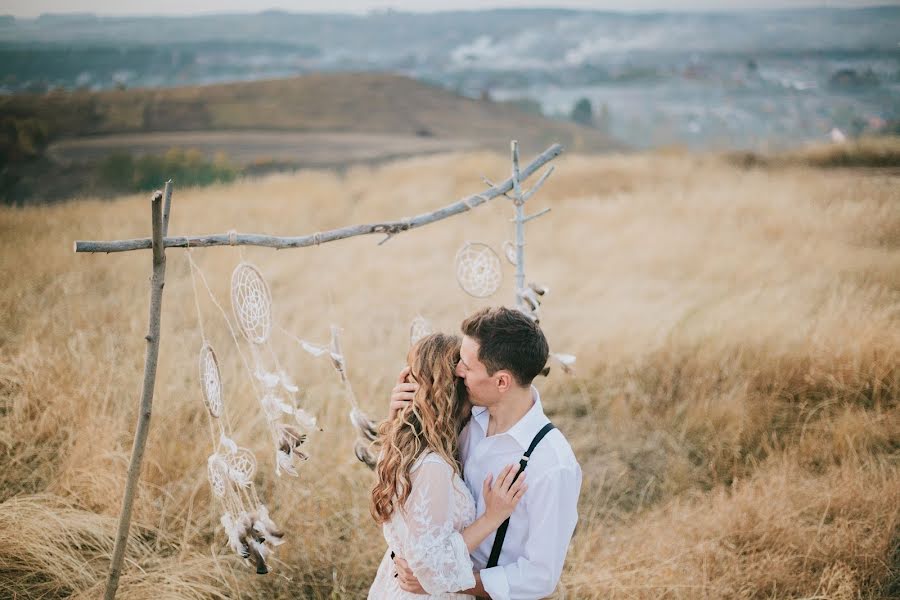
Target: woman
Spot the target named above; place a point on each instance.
(426, 511)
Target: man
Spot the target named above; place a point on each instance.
(502, 352)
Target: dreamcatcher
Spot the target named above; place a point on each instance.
(230, 469)
(251, 302)
(478, 270)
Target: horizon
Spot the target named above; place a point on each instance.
(173, 8)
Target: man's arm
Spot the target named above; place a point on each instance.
(478, 591)
(402, 394)
(409, 583)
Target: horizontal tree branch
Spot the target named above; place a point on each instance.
(389, 228)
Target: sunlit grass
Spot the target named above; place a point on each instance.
(735, 409)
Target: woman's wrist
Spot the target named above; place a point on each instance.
(492, 522)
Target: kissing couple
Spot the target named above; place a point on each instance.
(462, 515)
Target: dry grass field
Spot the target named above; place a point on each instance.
(735, 408)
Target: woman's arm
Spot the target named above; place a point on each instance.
(500, 500)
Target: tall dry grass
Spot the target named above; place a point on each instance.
(735, 410)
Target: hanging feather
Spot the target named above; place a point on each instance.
(337, 355)
(267, 527)
(366, 432)
(313, 349)
(531, 299)
(284, 461)
(258, 554)
(538, 289)
(287, 384)
(269, 380)
(365, 427)
(290, 439)
(567, 361)
(364, 453)
(304, 419)
(274, 406)
(254, 544)
(228, 443)
(234, 535)
(288, 446)
(337, 361)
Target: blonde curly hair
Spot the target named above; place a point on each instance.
(432, 421)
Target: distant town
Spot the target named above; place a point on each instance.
(755, 81)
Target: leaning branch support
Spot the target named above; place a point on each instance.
(388, 228)
(157, 281)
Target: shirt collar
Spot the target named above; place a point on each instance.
(525, 428)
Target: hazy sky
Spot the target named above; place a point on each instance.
(32, 8)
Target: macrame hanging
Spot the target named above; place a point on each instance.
(250, 531)
(251, 302)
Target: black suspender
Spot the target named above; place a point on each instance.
(501, 532)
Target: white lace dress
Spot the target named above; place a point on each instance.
(427, 534)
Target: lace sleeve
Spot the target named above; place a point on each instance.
(437, 553)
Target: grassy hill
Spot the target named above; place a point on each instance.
(342, 102)
(336, 104)
(736, 409)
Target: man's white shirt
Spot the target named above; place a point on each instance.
(542, 524)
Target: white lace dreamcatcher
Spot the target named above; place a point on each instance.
(251, 533)
(478, 270)
(251, 302)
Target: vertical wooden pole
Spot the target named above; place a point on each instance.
(167, 207)
(157, 281)
(519, 203)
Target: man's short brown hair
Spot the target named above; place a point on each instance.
(508, 340)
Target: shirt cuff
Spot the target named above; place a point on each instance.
(495, 583)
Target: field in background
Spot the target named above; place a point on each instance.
(735, 410)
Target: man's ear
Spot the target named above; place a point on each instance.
(504, 381)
